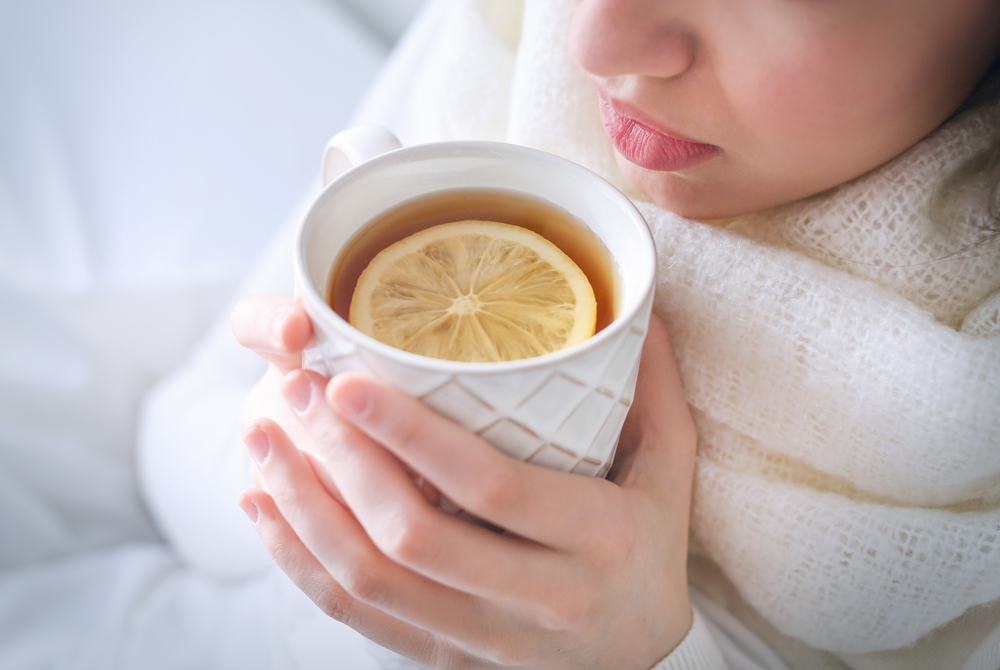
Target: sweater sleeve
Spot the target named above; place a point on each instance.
(191, 462)
(697, 651)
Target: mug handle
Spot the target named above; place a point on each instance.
(354, 146)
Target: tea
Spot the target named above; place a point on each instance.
(551, 222)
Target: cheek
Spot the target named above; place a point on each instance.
(802, 100)
(822, 113)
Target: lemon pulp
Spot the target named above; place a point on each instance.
(474, 291)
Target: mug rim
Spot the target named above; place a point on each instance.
(319, 309)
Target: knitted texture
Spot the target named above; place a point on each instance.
(841, 353)
(895, 227)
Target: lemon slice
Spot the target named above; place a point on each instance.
(474, 291)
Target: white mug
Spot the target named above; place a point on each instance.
(562, 410)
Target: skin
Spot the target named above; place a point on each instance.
(344, 518)
(796, 96)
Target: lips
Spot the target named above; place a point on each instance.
(649, 148)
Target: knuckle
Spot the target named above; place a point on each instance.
(445, 655)
(511, 653)
(362, 581)
(448, 657)
(565, 613)
(409, 539)
(329, 596)
(281, 554)
(500, 490)
(334, 602)
(407, 433)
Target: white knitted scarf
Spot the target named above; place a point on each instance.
(841, 354)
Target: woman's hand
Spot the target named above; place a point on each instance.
(277, 328)
(587, 573)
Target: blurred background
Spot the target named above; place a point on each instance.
(386, 18)
(148, 153)
(157, 117)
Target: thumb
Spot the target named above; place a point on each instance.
(275, 327)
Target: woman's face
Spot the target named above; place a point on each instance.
(723, 107)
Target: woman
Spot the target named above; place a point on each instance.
(832, 321)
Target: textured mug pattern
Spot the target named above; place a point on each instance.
(563, 410)
(565, 416)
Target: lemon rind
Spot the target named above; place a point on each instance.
(585, 308)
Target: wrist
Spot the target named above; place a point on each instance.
(697, 650)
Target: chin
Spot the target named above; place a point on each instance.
(672, 192)
(694, 194)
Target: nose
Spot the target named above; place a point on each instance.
(610, 38)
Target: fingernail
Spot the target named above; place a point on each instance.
(351, 399)
(278, 324)
(249, 508)
(298, 392)
(257, 444)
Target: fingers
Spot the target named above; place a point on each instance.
(549, 507)
(306, 572)
(294, 559)
(274, 326)
(401, 522)
(334, 537)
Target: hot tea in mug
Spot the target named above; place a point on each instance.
(562, 409)
(444, 299)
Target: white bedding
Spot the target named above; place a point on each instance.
(148, 151)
